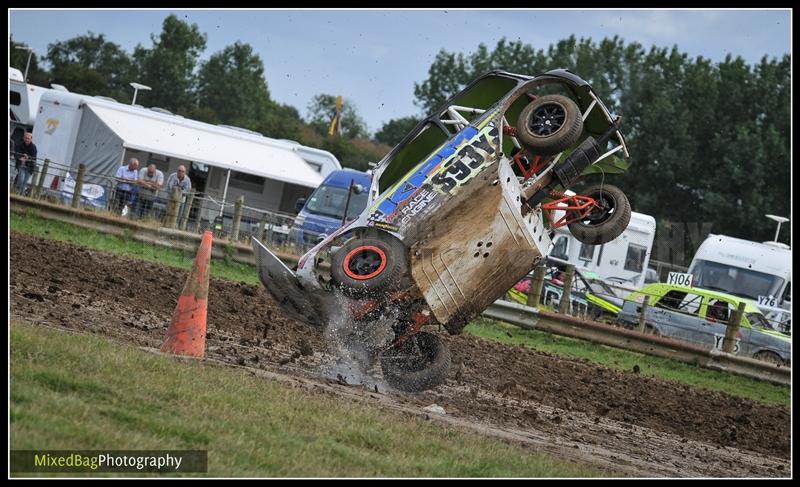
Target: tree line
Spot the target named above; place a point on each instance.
(228, 88)
(709, 141)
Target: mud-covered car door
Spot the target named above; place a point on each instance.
(677, 315)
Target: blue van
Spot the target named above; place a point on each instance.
(323, 212)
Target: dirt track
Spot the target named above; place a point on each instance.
(617, 420)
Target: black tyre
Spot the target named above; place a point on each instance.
(419, 363)
(651, 330)
(371, 264)
(549, 125)
(606, 223)
(771, 357)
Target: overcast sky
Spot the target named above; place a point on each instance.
(374, 57)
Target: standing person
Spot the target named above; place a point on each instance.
(127, 177)
(24, 162)
(12, 150)
(181, 180)
(150, 180)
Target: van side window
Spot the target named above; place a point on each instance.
(15, 98)
(587, 252)
(634, 260)
(560, 248)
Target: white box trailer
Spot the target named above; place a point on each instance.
(224, 162)
(23, 98)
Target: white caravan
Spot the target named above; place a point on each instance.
(623, 261)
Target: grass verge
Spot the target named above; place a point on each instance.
(65, 232)
(85, 392)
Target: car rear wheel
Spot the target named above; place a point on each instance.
(549, 125)
(606, 222)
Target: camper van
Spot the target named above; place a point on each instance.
(622, 261)
(758, 271)
(324, 211)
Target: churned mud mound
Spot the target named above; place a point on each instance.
(626, 397)
(620, 420)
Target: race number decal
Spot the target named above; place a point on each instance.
(720, 339)
(767, 301)
(680, 279)
(466, 161)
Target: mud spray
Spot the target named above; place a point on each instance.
(356, 344)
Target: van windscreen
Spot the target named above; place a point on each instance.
(330, 201)
(735, 280)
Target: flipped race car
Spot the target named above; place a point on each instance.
(458, 212)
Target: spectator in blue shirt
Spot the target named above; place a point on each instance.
(126, 187)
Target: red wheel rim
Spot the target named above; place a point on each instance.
(364, 262)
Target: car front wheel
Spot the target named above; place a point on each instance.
(419, 363)
(771, 357)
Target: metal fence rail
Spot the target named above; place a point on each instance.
(534, 319)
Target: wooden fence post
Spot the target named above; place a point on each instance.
(535, 291)
(172, 207)
(262, 226)
(563, 306)
(187, 209)
(40, 183)
(237, 217)
(642, 313)
(732, 329)
(76, 195)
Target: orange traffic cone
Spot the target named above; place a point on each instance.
(187, 332)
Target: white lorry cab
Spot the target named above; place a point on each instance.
(758, 271)
(621, 262)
